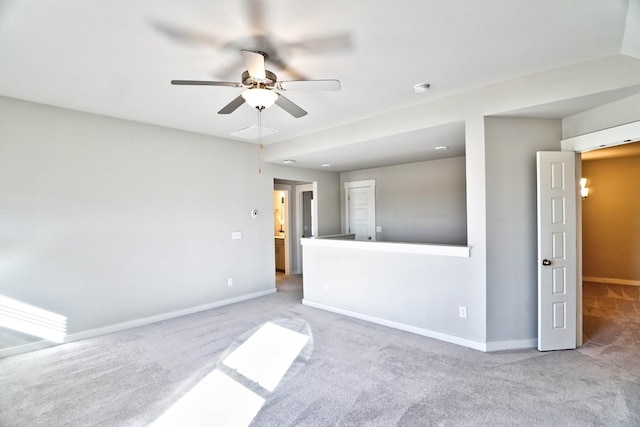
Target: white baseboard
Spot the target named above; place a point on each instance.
(611, 281)
(26, 348)
(130, 324)
(512, 345)
(401, 326)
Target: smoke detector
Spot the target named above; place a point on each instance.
(421, 87)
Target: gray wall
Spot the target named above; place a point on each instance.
(609, 115)
(510, 147)
(418, 291)
(421, 202)
(328, 201)
(328, 193)
(107, 221)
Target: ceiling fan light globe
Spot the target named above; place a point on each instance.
(260, 98)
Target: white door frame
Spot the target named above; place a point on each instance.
(313, 187)
(618, 135)
(286, 189)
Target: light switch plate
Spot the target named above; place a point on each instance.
(236, 235)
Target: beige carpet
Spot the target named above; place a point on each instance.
(355, 373)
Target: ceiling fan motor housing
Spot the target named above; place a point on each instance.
(268, 81)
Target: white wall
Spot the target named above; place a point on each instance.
(421, 202)
(511, 146)
(108, 221)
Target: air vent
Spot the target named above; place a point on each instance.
(253, 132)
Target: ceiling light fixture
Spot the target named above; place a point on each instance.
(260, 98)
(326, 165)
(421, 87)
(442, 148)
(288, 161)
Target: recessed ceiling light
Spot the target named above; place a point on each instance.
(421, 87)
(326, 165)
(288, 161)
(442, 147)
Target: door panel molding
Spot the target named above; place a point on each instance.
(360, 219)
(557, 250)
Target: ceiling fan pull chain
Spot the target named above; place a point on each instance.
(260, 139)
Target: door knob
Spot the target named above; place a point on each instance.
(369, 238)
(546, 262)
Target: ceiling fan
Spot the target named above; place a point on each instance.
(262, 86)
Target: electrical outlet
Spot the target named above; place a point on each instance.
(463, 311)
(229, 281)
(326, 286)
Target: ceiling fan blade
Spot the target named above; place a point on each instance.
(284, 67)
(188, 36)
(255, 13)
(232, 106)
(255, 64)
(330, 84)
(204, 83)
(327, 44)
(290, 107)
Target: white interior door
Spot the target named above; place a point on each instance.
(556, 250)
(361, 209)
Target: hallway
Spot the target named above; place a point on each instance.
(611, 314)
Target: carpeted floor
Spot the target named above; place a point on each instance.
(358, 374)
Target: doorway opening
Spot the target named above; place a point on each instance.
(610, 213)
(300, 210)
(281, 229)
(617, 136)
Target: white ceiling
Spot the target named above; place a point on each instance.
(117, 58)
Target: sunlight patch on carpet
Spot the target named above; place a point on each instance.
(217, 400)
(267, 355)
(232, 394)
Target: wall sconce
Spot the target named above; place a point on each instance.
(584, 190)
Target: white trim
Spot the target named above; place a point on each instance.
(512, 345)
(358, 184)
(612, 281)
(26, 348)
(610, 137)
(401, 326)
(286, 189)
(131, 324)
(407, 248)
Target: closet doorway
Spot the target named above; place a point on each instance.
(281, 228)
